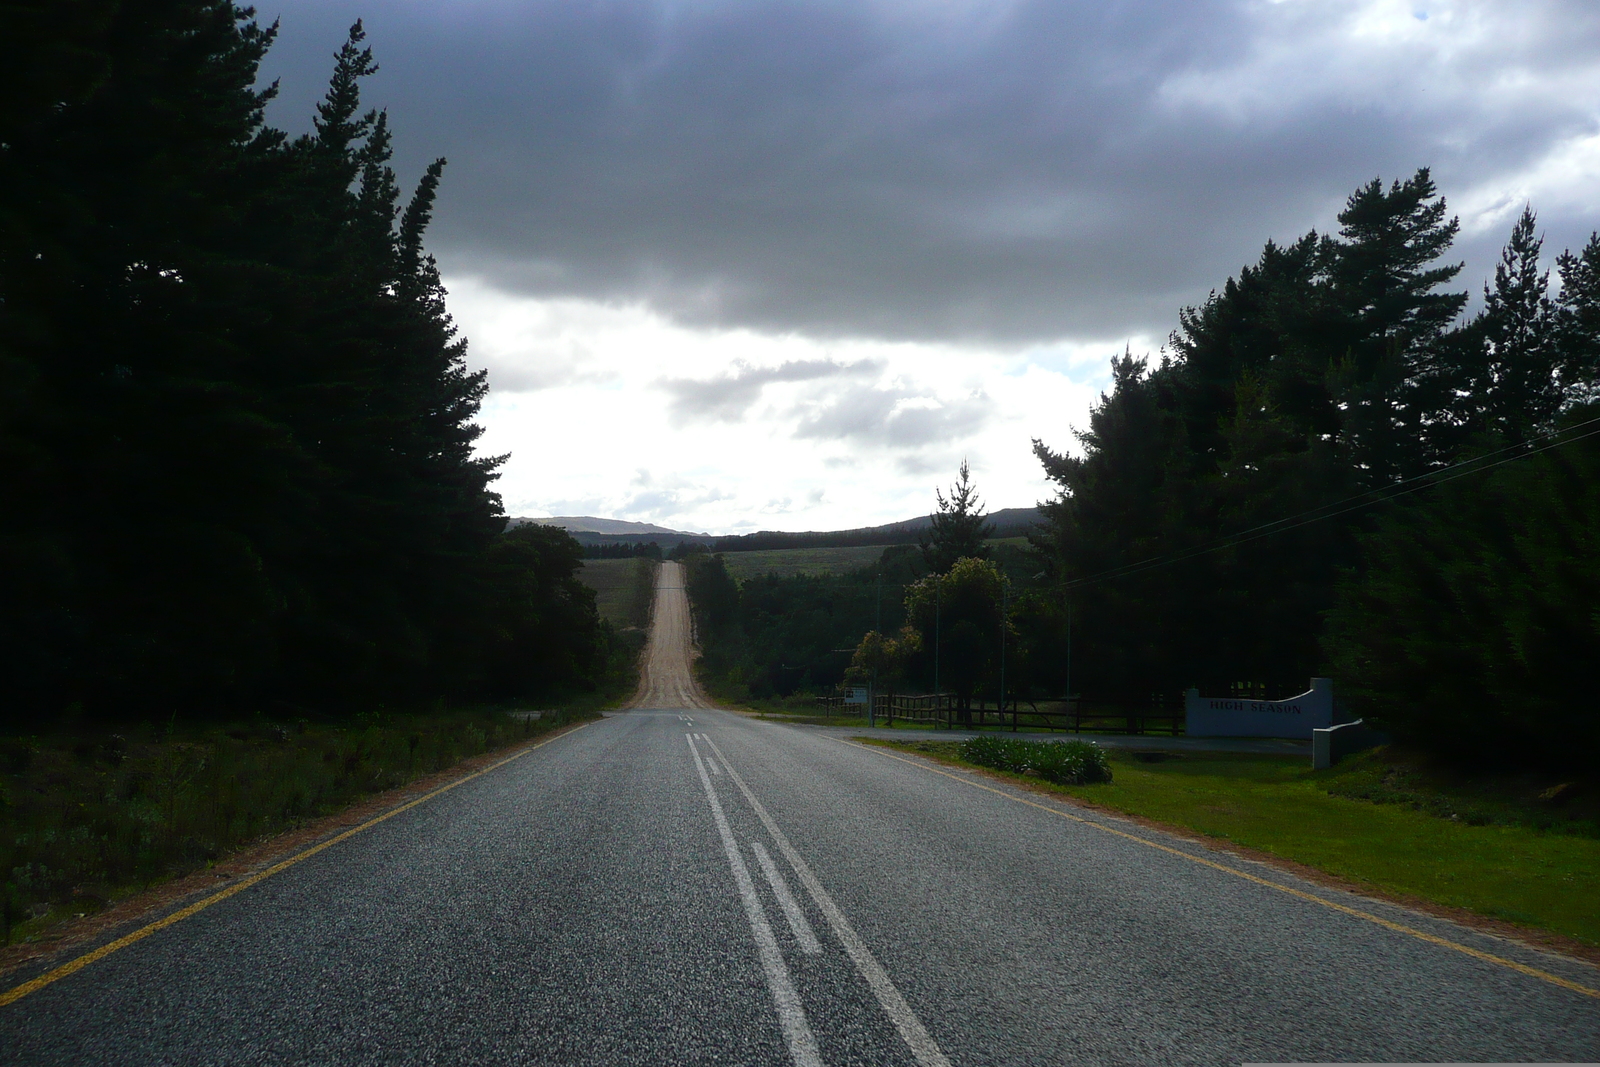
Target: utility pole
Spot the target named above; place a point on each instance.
(1069, 650)
(1066, 595)
(938, 699)
(877, 628)
(1005, 588)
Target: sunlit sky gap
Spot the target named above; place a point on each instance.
(736, 265)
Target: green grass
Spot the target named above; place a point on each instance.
(622, 589)
(89, 817)
(794, 708)
(857, 722)
(1508, 869)
(786, 562)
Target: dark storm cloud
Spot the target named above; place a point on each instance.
(1008, 171)
(728, 397)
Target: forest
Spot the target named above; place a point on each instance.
(236, 422)
(1332, 469)
(237, 467)
(771, 637)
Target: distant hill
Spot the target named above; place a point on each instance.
(588, 524)
(1008, 522)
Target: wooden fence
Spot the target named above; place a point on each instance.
(939, 709)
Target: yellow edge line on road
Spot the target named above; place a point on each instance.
(16, 993)
(1388, 924)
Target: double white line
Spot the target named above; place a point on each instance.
(791, 1015)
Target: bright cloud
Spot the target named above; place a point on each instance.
(738, 264)
(730, 430)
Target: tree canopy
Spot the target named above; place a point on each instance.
(1221, 502)
(236, 423)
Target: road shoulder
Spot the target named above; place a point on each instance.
(24, 960)
(1520, 934)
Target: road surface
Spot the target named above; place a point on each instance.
(682, 885)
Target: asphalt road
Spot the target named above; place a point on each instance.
(682, 885)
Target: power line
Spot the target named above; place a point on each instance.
(1353, 503)
(1429, 477)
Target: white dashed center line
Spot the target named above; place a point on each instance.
(921, 1043)
(791, 910)
(791, 1015)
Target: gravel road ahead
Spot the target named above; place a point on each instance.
(682, 885)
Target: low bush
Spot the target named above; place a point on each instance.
(1063, 762)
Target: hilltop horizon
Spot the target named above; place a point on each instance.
(608, 527)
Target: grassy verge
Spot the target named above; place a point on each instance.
(786, 562)
(87, 818)
(799, 708)
(623, 589)
(1382, 820)
(796, 708)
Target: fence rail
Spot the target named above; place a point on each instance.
(941, 709)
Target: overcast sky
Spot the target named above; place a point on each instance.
(740, 264)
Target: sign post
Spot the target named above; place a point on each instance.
(1232, 717)
(860, 694)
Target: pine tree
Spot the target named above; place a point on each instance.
(957, 529)
(1394, 371)
(1267, 323)
(381, 388)
(1253, 382)
(1577, 327)
(1130, 496)
(1470, 630)
(1516, 390)
(236, 425)
(138, 453)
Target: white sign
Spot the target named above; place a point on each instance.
(857, 694)
(1295, 717)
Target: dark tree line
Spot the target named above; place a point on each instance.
(623, 550)
(1335, 366)
(771, 636)
(235, 420)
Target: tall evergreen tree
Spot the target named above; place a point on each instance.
(383, 392)
(1395, 372)
(959, 528)
(137, 446)
(236, 423)
(1470, 629)
(1126, 499)
(1516, 389)
(1326, 367)
(1266, 323)
(1577, 316)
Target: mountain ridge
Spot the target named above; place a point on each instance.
(592, 530)
(576, 524)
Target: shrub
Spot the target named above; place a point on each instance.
(1063, 762)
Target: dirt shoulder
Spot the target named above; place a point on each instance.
(147, 905)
